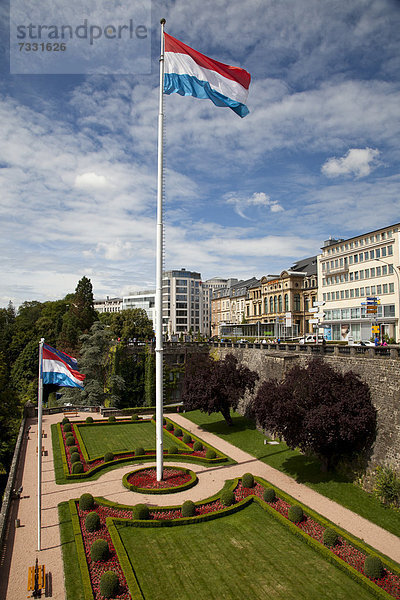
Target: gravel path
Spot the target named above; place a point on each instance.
(21, 543)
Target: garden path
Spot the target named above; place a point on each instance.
(21, 542)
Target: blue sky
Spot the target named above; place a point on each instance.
(317, 156)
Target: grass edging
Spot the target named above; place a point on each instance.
(126, 565)
(80, 550)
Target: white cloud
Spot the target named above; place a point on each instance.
(358, 162)
(258, 200)
(87, 181)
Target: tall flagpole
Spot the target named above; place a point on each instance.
(159, 272)
(39, 442)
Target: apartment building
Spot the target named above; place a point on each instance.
(145, 300)
(353, 271)
(185, 308)
(228, 306)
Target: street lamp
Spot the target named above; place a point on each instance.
(398, 289)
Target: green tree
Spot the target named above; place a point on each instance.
(80, 317)
(10, 416)
(132, 323)
(216, 385)
(318, 410)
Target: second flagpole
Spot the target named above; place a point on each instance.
(159, 271)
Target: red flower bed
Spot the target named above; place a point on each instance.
(147, 478)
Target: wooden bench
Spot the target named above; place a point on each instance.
(41, 578)
(72, 413)
(43, 450)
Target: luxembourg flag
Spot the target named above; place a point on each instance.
(60, 369)
(190, 73)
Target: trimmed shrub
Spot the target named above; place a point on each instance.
(70, 440)
(248, 480)
(373, 567)
(210, 453)
(111, 419)
(73, 449)
(178, 432)
(330, 537)
(227, 497)
(109, 584)
(67, 427)
(141, 511)
(65, 420)
(188, 509)
(173, 450)
(109, 456)
(140, 451)
(75, 457)
(89, 420)
(135, 417)
(77, 467)
(169, 426)
(295, 513)
(154, 417)
(186, 438)
(197, 446)
(99, 550)
(86, 501)
(269, 495)
(92, 521)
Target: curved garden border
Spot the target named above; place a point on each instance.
(159, 487)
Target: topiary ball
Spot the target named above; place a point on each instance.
(169, 426)
(92, 521)
(373, 567)
(109, 456)
(99, 550)
(111, 419)
(186, 438)
(227, 498)
(109, 584)
(330, 537)
(67, 427)
(295, 513)
(269, 495)
(73, 449)
(75, 457)
(135, 417)
(86, 501)
(197, 446)
(140, 451)
(188, 509)
(89, 420)
(77, 467)
(248, 480)
(210, 453)
(70, 440)
(141, 511)
(178, 432)
(173, 450)
(65, 420)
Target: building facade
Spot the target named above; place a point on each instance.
(352, 273)
(108, 305)
(185, 307)
(145, 300)
(227, 306)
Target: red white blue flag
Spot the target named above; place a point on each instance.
(60, 369)
(190, 73)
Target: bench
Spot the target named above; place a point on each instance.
(41, 571)
(43, 450)
(72, 413)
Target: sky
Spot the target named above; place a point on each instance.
(317, 156)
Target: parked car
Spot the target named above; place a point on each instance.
(365, 343)
(311, 339)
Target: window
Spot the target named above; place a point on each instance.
(377, 253)
(372, 254)
(390, 269)
(366, 255)
(351, 276)
(279, 303)
(323, 297)
(389, 310)
(297, 302)
(378, 271)
(390, 250)
(352, 293)
(372, 272)
(383, 251)
(357, 291)
(355, 313)
(328, 296)
(356, 275)
(337, 295)
(391, 288)
(384, 270)
(373, 290)
(385, 288)
(366, 273)
(367, 291)
(342, 294)
(350, 260)
(362, 292)
(271, 304)
(356, 258)
(361, 257)
(266, 305)
(347, 293)
(361, 274)
(287, 303)
(379, 289)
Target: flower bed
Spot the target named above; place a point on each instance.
(175, 479)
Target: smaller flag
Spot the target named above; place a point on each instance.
(60, 369)
(190, 73)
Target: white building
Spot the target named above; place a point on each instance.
(145, 300)
(350, 273)
(185, 307)
(110, 305)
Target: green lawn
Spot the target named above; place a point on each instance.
(303, 469)
(99, 439)
(248, 555)
(72, 574)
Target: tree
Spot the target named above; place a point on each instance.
(131, 323)
(216, 385)
(79, 318)
(318, 410)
